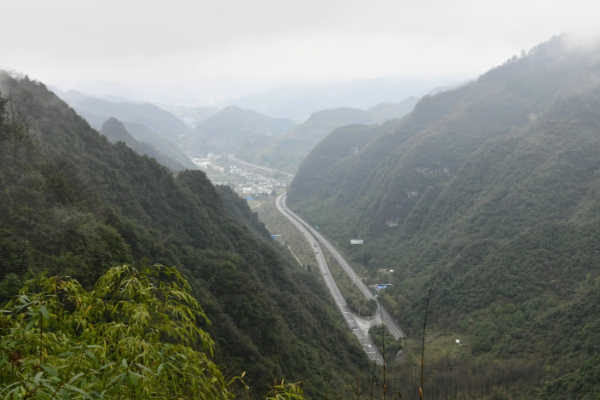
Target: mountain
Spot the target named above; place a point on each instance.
(70, 96)
(73, 96)
(143, 134)
(74, 204)
(298, 102)
(490, 190)
(115, 131)
(287, 151)
(192, 116)
(100, 109)
(232, 128)
(96, 111)
(386, 111)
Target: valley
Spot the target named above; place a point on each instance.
(300, 201)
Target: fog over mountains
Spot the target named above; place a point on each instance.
(232, 129)
(300, 200)
(489, 189)
(300, 101)
(250, 134)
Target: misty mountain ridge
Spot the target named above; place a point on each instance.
(116, 131)
(386, 111)
(96, 111)
(490, 189)
(298, 102)
(233, 128)
(73, 96)
(144, 134)
(287, 151)
(191, 115)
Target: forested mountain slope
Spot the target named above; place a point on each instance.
(96, 111)
(387, 111)
(74, 204)
(233, 128)
(287, 151)
(115, 131)
(491, 190)
(144, 134)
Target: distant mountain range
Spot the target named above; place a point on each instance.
(74, 96)
(192, 116)
(298, 102)
(97, 110)
(117, 131)
(149, 129)
(287, 151)
(233, 128)
(387, 111)
(248, 133)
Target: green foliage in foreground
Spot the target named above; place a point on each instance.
(133, 336)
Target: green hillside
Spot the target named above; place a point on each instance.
(233, 128)
(96, 111)
(491, 190)
(72, 203)
(115, 131)
(144, 134)
(287, 151)
(387, 111)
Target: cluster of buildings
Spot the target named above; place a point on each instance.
(253, 185)
(207, 162)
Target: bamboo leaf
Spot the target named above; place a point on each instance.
(44, 312)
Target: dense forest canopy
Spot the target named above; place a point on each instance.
(491, 190)
(73, 204)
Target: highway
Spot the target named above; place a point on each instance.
(231, 157)
(359, 326)
(390, 323)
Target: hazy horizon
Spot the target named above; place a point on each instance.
(100, 88)
(199, 52)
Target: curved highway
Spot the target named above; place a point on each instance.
(360, 326)
(392, 326)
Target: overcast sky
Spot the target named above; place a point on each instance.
(231, 47)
